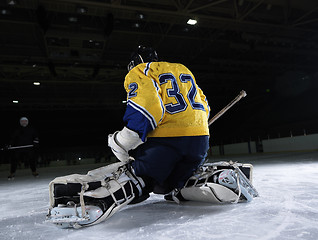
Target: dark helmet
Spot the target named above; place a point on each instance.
(141, 55)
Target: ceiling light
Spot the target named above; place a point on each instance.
(12, 2)
(15, 101)
(140, 16)
(192, 21)
(136, 25)
(81, 10)
(72, 19)
(37, 83)
(124, 101)
(5, 12)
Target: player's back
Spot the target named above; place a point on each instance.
(183, 106)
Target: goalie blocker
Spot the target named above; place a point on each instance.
(83, 200)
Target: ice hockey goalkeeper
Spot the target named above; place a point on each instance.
(163, 144)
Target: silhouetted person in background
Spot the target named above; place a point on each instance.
(26, 141)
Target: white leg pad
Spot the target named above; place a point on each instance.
(210, 192)
(221, 182)
(113, 187)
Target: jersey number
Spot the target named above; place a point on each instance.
(181, 104)
(133, 88)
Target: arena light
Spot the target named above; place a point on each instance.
(192, 21)
(140, 16)
(36, 83)
(72, 19)
(81, 10)
(5, 12)
(15, 101)
(12, 2)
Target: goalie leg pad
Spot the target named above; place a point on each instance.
(83, 200)
(210, 192)
(221, 182)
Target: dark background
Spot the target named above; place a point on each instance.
(79, 50)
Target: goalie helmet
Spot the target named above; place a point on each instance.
(141, 55)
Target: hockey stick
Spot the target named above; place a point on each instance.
(227, 107)
(17, 147)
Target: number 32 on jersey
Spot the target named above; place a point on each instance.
(174, 92)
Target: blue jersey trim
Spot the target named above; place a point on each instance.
(144, 112)
(147, 68)
(137, 121)
(207, 103)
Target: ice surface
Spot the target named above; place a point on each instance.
(286, 209)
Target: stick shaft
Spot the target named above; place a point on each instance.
(17, 147)
(227, 107)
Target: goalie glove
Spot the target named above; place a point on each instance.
(122, 141)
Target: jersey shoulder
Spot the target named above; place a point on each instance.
(136, 74)
(166, 66)
(154, 69)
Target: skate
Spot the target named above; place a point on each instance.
(11, 177)
(175, 196)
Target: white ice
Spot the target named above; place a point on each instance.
(286, 209)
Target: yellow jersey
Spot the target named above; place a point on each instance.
(164, 100)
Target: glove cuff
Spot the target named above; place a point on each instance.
(128, 139)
